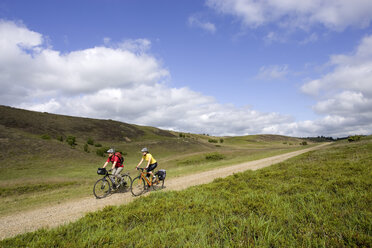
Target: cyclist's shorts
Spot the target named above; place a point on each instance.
(152, 167)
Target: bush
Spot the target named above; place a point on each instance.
(90, 141)
(304, 143)
(45, 136)
(86, 148)
(60, 138)
(214, 156)
(354, 138)
(102, 151)
(98, 145)
(213, 141)
(221, 141)
(71, 140)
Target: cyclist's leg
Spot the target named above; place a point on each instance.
(112, 178)
(151, 168)
(117, 173)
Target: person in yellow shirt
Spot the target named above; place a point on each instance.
(151, 162)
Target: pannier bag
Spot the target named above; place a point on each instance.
(101, 171)
(161, 174)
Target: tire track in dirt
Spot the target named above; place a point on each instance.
(53, 216)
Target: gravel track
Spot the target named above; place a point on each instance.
(52, 216)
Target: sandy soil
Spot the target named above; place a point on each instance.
(52, 216)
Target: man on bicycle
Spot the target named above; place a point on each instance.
(151, 162)
(117, 165)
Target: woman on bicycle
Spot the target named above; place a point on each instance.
(151, 162)
(117, 165)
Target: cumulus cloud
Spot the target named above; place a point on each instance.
(335, 15)
(350, 72)
(123, 81)
(345, 93)
(24, 62)
(195, 21)
(118, 81)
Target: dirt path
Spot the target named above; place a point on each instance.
(64, 213)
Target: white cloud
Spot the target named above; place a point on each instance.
(121, 82)
(273, 72)
(195, 21)
(345, 93)
(26, 63)
(334, 15)
(351, 72)
(126, 83)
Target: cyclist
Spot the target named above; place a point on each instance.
(151, 162)
(117, 166)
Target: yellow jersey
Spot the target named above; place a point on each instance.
(148, 157)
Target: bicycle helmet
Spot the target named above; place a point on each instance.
(145, 149)
(111, 150)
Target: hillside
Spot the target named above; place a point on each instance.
(29, 132)
(39, 167)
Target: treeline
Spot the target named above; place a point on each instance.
(322, 139)
(328, 139)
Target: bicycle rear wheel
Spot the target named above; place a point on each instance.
(102, 188)
(138, 186)
(158, 184)
(126, 183)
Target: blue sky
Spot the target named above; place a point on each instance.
(223, 67)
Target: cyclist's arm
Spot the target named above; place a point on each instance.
(113, 165)
(105, 164)
(139, 163)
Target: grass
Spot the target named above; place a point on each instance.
(319, 199)
(32, 155)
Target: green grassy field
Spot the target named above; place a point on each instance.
(319, 199)
(38, 169)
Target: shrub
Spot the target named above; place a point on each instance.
(221, 140)
(86, 148)
(214, 156)
(71, 140)
(98, 145)
(354, 138)
(102, 151)
(60, 138)
(304, 143)
(45, 136)
(90, 141)
(213, 141)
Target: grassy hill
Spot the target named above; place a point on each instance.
(38, 166)
(319, 199)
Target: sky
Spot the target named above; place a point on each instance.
(217, 67)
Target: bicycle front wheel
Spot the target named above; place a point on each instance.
(102, 188)
(138, 186)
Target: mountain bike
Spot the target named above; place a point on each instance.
(104, 186)
(143, 183)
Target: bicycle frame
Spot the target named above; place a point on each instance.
(143, 176)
